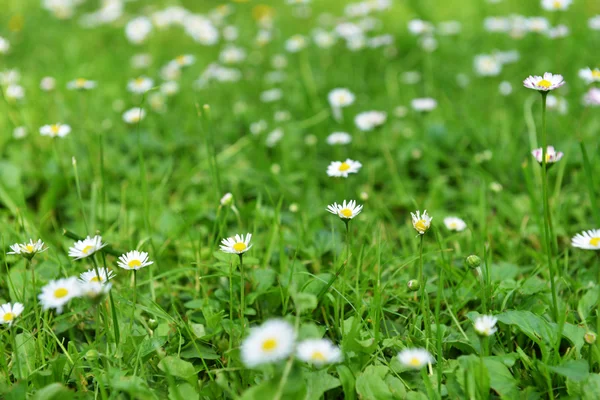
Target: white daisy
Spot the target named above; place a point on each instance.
(590, 75)
(138, 29)
(295, 43)
(546, 83)
(368, 120)
(455, 224)
(19, 132)
(9, 312)
(587, 240)
(424, 104)
(185, 60)
(90, 276)
(345, 210)
(169, 88)
(485, 325)
(271, 342)
(14, 92)
(555, 5)
(94, 290)
(487, 65)
(339, 138)
(343, 168)
(28, 250)
(134, 115)
(81, 84)
(58, 293)
(140, 85)
(237, 244)
(552, 155)
(47, 83)
(86, 247)
(421, 222)
(134, 260)
(592, 97)
(55, 130)
(340, 97)
(4, 45)
(319, 352)
(415, 358)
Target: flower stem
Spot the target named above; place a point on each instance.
(134, 300)
(242, 294)
(423, 295)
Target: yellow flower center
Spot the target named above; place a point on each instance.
(346, 212)
(86, 249)
(60, 293)
(421, 225)
(453, 225)
(139, 81)
(55, 128)
(241, 246)
(96, 279)
(544, 83)
(557, 4)
(596, 73)
(318, 356)
(8, 317)
(415, 362)
(134, 263)
(595, 241)
(344, 166)
(269, 344)
(29, 248)
(80, 82)
(180, 60)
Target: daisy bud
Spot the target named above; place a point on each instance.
(152, 323)
(590, 337)
(473, 261)
(91, 355)
(227, 199)
(413, 285)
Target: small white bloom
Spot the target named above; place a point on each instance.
(134, 260)
(594, 23)
(55, 130)
(485, 325)
(258, 127)
(4, 45)
(134, 115)
(227, 199)
(232, 55)
(8, 312)
(341, 97)
(19, 132)
(587, 240)
(86, 247)
(415, 358)
(487, 65)
(421, 222)
(537, 24)
(81, 84)
(271, 95)
(343, 168)
(237, 244)
(274, 137)
(546, 83)
(590, 75)
(138, 29)
(141, 60)
(455, 224)
(296, 43)
(339, 138)
(345, 210)
(419, 27)
(592, 97)
(140, 85)
(369, 120)
(14, 92)
(319, 352)
(556, 5)
(103, 276)
(28, 250)
(552, 155)
(425, 104)
(271, 342)
(505, 88)
(58, 293)
(47, 83)
(169, 88)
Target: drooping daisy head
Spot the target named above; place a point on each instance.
(237, 244)
(81, 84)
(552, 155)
(103, 276)
(318, 352)
(421, 222)
(415, 358)
(587, 240)
(134, 115)
(343, 168)
(134, 260)
(340, 97)
(544, 83)
(455, 224)
(485, 325)
(86, 247)
(55, 130)
(8, 312)
(28, 250)
(227, 199)
(271, 342)
(345, 210)
(58, 293)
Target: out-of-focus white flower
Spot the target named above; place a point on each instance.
(271, 95)
(590, 75)
(134, 115)
(339, 138)
(232, 55)
(272, 342)
(258, 127)
(485, 325)
(487, 65)
(19, 132)
(505, 88)
(556, 5)
(4, 45)
(141, 60)
(296, 43)
(428, 43)
(559, 31)
(594, 23)
(47, 83)
(230, 33)
(449, 28)
(369, 120)
(419, 27)
(537, 24)
(592, 97)
(323, 39)
(14, 92)
(319, 352)
(138, 29)
(55, 130)
(425, 104)
(274, 137)
(201, 29)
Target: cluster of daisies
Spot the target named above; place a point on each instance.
(93, 284)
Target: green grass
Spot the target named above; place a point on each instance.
(156, 186)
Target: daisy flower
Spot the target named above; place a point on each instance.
(590, 75)
(415, 358)
(47, 83)
(340, 97)
(544, 83)
(94, 290)
(237, 244)
(552, 155)
(271, 342)
(140, 85)
(368, 120)
(138, 29)
(55, 130)
(81, 84)
(455, 224)
(28, 250)
(487, 65)
(295, 43)
(345, 210)
(339, 138)
(485, 325)
(319, 352)
(58, 293)
(104, 275)
(424, 104)
(184, 60)
(227, 199)
(592, 97)
(421, 222)
(555, 5)
(86, 247)
(134, 260)
(4, 45)
(134, 115)
(9, 312)
(587, 240)
(343, 168)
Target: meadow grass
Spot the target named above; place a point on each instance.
(377, 286)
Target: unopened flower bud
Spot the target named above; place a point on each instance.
(413, 285)
(473, 261)
(91, 355)
(590, 337)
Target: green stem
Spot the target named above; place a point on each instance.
(430, 392)
(37, 315)
(423, 295)
(242, 294)
(134, 300)
(288, 365)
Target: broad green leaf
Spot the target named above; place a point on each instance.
(319, 382)
(370, 384)
(575, 370)
(177, 367)
(183, 391)
(54, 391)
(501, 380)
(348, 382)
